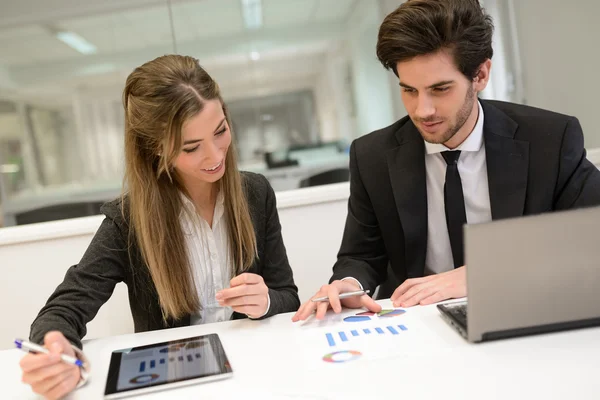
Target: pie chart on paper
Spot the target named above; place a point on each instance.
(357, 318)
(368, 315)
(390, 313)
(342, 356)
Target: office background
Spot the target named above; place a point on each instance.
(300, 76)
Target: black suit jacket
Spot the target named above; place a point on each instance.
(535, 161)
(88, 285)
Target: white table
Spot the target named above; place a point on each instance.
(277, 359)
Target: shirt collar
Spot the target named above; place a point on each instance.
(472, 143)
(190, 209)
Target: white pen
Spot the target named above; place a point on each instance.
(343, 295)
(34, 348)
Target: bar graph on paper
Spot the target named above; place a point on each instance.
(346, 336)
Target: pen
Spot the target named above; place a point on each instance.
(343, 295)
(34, 348)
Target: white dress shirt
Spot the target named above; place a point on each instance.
(210, 259)
(473, 174)
(474, 179)
(208, 252)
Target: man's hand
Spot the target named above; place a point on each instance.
(431, 289)
(333, 291)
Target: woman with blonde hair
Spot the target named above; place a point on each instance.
(195, 240)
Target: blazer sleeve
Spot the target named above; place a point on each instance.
(578, 183)
(362, 254)
(276, 270)
(85, 288)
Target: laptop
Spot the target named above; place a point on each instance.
(530, 275)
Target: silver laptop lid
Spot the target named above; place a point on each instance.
(532, 271)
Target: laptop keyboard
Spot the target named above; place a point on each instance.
(460, 313)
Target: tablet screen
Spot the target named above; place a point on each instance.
(164, 363)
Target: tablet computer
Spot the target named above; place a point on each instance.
(166, 365)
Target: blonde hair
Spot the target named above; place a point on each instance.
(159, 97)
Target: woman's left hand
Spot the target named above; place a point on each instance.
(248, 295)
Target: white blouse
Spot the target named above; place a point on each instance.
(208, 252)
(210, 259)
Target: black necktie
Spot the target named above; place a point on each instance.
(454, 203)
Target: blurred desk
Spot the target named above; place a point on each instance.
(282, 179)
(61, 195)
(277, 359)
(289, 178)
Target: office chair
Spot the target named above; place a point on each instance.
(272, 162)
(324, 178)
(58, 211)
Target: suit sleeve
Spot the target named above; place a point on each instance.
(578, 183)
(276, 270)
(85, 288)
(362, 254)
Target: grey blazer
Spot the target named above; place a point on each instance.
(107, 261)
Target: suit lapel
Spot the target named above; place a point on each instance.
(507, 162)
(406, 165)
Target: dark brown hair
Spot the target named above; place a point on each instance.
(159, 97)
(420, 27)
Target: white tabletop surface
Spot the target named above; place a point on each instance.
(278, 359)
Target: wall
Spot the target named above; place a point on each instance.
(386, 7)
(6, 81)
(355, 95)
(334, 95)
(98, 134)
(505, 61)
(10, 126)
(372, 88)
(34, 258)
(558, 44)
(333, 98)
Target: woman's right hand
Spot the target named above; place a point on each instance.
(46, 373)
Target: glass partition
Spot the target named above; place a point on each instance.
(300, 77)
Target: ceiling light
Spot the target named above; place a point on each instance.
(252, 13)
(76, 42)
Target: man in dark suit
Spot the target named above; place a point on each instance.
(453, 160)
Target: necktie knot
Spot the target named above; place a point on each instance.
(451, 157)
